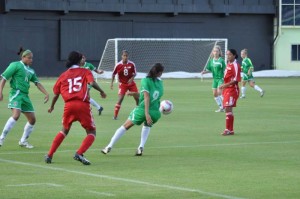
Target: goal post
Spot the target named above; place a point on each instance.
(185, 55)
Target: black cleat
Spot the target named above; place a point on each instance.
(48, 159)
(100, 110)
(81, 159)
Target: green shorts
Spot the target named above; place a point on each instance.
(137, 116)
(247, 78)
(216, 83)
(20, 100)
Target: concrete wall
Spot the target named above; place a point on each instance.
(282, 49)
(52, 33)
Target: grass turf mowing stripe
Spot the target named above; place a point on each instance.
(123, 180)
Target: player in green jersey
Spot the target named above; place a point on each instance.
(147, 111)
(21, 74)
(91, 67)
(216, 65)
(247, 69)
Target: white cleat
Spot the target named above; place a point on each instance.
(220, 110)
(25, 144)
(242, 97)
(139, 151)
(106, 150)
(262, 93)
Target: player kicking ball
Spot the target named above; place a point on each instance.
(147, 112)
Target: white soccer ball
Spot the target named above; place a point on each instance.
(166, 107)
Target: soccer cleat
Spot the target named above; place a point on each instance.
(81, 159)
(100, 110)
(48, 159)
(1, 142)
(262, 93)
(242, 97)
(115, 118)
(25, 144)
(220, 110)
(139, 151)
(106, 150)
(227, 132)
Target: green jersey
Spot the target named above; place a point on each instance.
(246, 65)
(155, 90)
(89, 66)
(20, 75)
(216, 67)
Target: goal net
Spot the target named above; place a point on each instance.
(180, 57)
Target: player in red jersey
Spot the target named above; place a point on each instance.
(126, 71)
(232, 77)
(73, 86)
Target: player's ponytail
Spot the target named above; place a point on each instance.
(74, 58)
(155, 70)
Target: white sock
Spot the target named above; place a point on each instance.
(27, 131)
(257, 88)
(144, 135)
(221, 101)
(243, 90)
(8, 126)
(94, 103)
(218, 100)
(118, 134)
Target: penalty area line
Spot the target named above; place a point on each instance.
(161, 186)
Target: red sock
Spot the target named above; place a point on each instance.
(232, 121)
(229, 121)
(117, 108)
(86, 143)
(56, 143)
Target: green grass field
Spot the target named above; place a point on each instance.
(185, 156)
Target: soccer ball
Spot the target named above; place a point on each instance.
(166, 107)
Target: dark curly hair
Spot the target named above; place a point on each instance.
(74, 58)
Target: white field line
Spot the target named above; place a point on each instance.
(163, 147)
(35, 184)
(161, 186)
(101, 193)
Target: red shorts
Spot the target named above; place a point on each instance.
(230, 97)
(123, 88)
(78, 111)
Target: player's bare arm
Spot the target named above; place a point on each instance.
(131, 79)
(2, 84)
(112, 82)
(134, 94)
(228, 84)
(43, 90)
(97, 87)
(99, 71)
(54, 99)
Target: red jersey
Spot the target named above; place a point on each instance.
(232, 72)
(72, 84)
(125, 71)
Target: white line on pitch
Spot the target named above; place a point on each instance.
(123, 179)
(35, 184)
(164, 147)
(101, 193)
